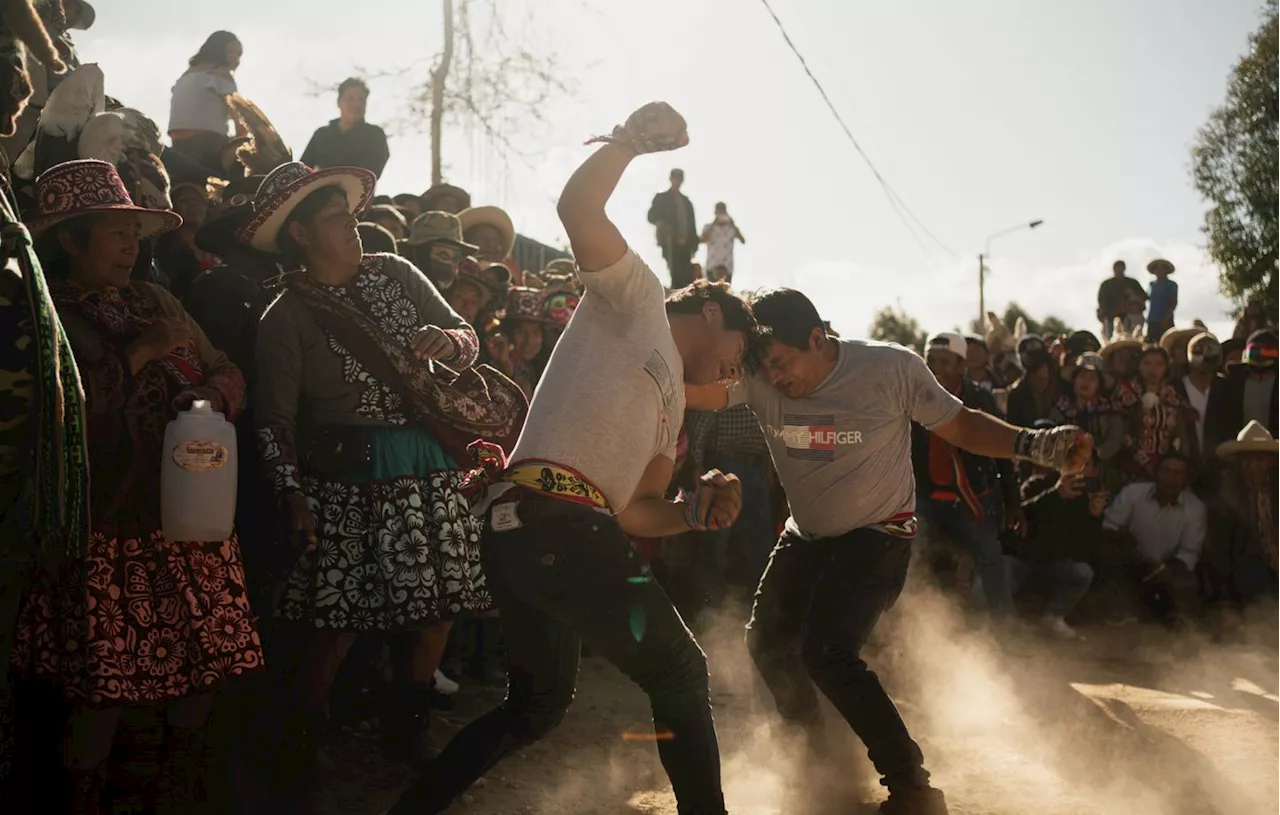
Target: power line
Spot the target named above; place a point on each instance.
(895, 200)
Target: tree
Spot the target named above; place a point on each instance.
(1235, 167)
(892, 324)
(494, 70)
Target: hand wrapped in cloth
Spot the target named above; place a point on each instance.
(1066, 449)
(654, 128)
(714, 504)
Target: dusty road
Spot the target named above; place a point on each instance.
(1132, 722)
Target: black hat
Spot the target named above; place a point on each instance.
(218, 232)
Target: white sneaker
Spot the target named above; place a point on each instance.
(1058, 627)
(445, 685)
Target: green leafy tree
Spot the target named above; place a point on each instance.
(1235, 167)
(892, 324)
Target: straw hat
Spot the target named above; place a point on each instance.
(1088, 362)
(431, 196)
(1170, 339)
(76, 188)
(1254, 438)
(493, 216)
(1160, 264)
(1122, 340)
(288, 185)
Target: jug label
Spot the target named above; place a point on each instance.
(200, 456)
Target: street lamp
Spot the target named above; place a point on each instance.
(982, 266)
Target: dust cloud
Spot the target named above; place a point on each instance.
(1135, 721)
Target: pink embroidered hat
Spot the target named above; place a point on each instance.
(288, 185)
(76, 188)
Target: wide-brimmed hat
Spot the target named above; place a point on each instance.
(558, 306)
(75, 188)
(439, 191)
(288, 185)
(220, 228)
(1088, 362)
(1122, 340)
(1254, 438)
(1160, 264)
(1204, 344)
(493, 216)
(1170, 339)
(445, 227)
(526, 304)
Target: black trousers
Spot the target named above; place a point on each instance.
(680, 264)
(566, 575)
(814, 611)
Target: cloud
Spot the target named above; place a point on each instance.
(946, 296)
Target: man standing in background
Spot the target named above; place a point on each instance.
(349, 141)
(1113, 296)
(672, 214)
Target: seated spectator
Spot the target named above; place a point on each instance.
(1156, 422)
(389, 218)
(1033, 396)
(1248, 393)
(526, 320)
(198, 112)
(1086, 407)
(1159, 532)
(970, 498)
(1064, 529)
(471, 293)
(1240, 549)
(349, 141)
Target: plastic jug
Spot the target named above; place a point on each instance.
(198, 476)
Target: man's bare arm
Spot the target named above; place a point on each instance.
(595, 241)
(1064, 448)
(706, 397)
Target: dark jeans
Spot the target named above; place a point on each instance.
(982, 540)
(568, 575)
(680, 263)
(816, 606)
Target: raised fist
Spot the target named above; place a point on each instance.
(657, 127)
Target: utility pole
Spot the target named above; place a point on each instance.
(982, 290)
(438, 77)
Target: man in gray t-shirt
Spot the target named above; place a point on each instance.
(837, 415)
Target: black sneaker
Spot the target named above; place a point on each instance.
(915, 801)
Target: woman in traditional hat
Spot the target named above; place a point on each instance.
(362, 449)
(526, 321)
(471, 294)
(198, 112)
(1241, 544)
(140, 619)
(1085, 406)
(1156, 422)
(1121, 356)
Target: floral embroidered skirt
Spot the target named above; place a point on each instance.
(141, 619)
(399, 550)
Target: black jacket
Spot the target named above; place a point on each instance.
(985, 474)
(364, 145)
(228, 301)
(1225, 414)
(1023, 410)
(664, 210)
(1057, 530)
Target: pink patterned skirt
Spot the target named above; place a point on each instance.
(141, 620)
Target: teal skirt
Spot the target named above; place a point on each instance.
(397, 550)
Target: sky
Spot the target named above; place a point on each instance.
(981, 115)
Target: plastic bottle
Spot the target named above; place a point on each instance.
(198, 476)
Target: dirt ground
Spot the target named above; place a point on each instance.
(1133, 721)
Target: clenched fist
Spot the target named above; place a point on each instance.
(654, 128)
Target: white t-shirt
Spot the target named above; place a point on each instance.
(1200, 401)
(611, 399)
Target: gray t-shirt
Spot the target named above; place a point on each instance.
(843, 452)
(612, 397)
